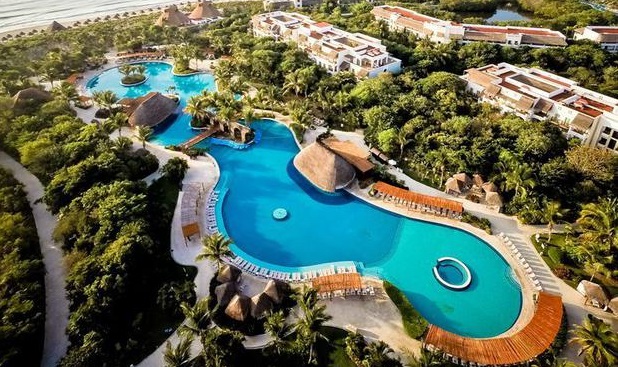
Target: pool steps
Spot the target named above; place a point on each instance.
(524, 263)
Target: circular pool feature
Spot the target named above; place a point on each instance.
(280, 214)
(452, 273)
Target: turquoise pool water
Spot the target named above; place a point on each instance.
(323, 228)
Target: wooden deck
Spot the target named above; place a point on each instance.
(525, 345)
(198, 138)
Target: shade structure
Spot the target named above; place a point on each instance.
(204, 10)
(490, 187)
(453, 186)
(239, 307)
(493, 199)
(228, 273)
(593, 292)
(273, 291)
(415, 197)
(337, 282)
(224, 293)
(31, 94)
(324, 168)
(261, 304)
(352, 153)
(172, 17)
(464, 178)
(477, 180)
(55, 27)
(149, 110)
(613, 305)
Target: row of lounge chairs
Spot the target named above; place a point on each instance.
(367, 291)
(123, 60)
(305, 276)
(517, 255)
(427, 209)
(211, 217)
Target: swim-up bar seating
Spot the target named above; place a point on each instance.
(416, 201)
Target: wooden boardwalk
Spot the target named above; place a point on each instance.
(528, 343)
(198, 138)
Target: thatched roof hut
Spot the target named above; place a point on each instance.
(325, 169)
(463, 178)
(352, 153)
(477, 180)
(493, 199)
(204, 10)
(490, 187)
(453, 186)
(55, 27)
(149, 110)
(613, 305)
(273, 291)
(172, 17)
(228, 273)
(31, 95)
(239, 307)
(261, 304)
(224, 293)
(593, 292)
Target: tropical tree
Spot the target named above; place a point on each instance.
(118, 120)
(66, 91)
(198, 319)
(126, 69)
(178, 355)
(519, 179)
(214, 248)
(175, 169)
(139, 69)
(277, 329)
(122, 145)
(598, 343)
(377, 355)
(248, 115)
(427, 358)
(105, 99)
(144, 133)
(551, 213)
(599, 222)
(311, 321)
(293, 83)
(196, 107)
(402, 138)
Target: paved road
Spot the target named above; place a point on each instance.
(56, 302)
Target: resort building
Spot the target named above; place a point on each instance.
(444, 31)
(534, 94)
(606, 37)
(149, 110)
(332, 48)
(203, 13)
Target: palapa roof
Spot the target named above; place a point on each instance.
(55, 27)
(454, 185)
(204, 10)
(172, 17)
(592, 291)
(261, 304)
(415, 197)
(149, 110)
(464, 178)
(272, 290)
(322, 167)
(351, 152)
(224, 293)
(490, 187)
(492, 198)
(239, 307)
(613, 305)
(477, 180)
(228, 273)
(33, 94)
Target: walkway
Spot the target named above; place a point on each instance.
(56, 302)
(198, 138)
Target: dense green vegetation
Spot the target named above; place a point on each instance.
(414, 323)
(22, 291)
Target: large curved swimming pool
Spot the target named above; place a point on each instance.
(322, 228)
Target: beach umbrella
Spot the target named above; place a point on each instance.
(593, 292)
(261, 304)
(273, 291)
(224, 293)
(228, 273)
(239, 307)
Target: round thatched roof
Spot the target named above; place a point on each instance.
(172, 17)
(228, 273)
(239, 307)
(204, 10)
(453, 185)
(593, 292)
(493, 199)
(273, 291)
(31, 94)
(55, 27)
(261, 304)
(323, 168)
(224, 293)
(490, 187)
(152, 110)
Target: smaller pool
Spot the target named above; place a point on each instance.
(452, 273)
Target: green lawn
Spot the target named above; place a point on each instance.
(555, 248)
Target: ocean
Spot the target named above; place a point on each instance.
(19, 14)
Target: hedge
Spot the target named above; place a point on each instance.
(413, 322)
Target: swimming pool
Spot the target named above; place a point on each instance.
(322, 228)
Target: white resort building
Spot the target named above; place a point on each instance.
(605, 36)
(444, 31)
(332, 48)
(535, 94)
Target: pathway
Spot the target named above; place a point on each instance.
(56, 302)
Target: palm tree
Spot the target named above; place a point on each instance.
(144, 133)
(195, 107)
(248, 115)
(312, 318)
(428, 358)
(293, 83)
(552, 212)
(598, 343)
(118, 120)
(122, 144)
(105, 99)
(599, 221)
(376, 355)
(126, 69)
(197, 318)
(402, 138)
(66, 91)
(178, 355)
(139, 69)
(277, 329)
(519, 179)
(215, 247)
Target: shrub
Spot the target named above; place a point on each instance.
(555, 254)
(413, 322)
(482, 223)
(299, 131)
(562, 272)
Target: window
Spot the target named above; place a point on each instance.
(607, 130)
(603, 141)
(612, 144)
(615, 134)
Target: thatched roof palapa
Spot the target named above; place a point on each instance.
(239, 307)
(204, 10)
(492, 198)
(490, 187)
(224, 293)
(464, 178)
(31, 94)
(261, 304)
(613, 305)
(325, 169)
(149, 110)
(351, 152)
(55, 27)
(477, 180)
(172, 17)
(593, 292)
(453, 185)
(272, 290)
(228, 273)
